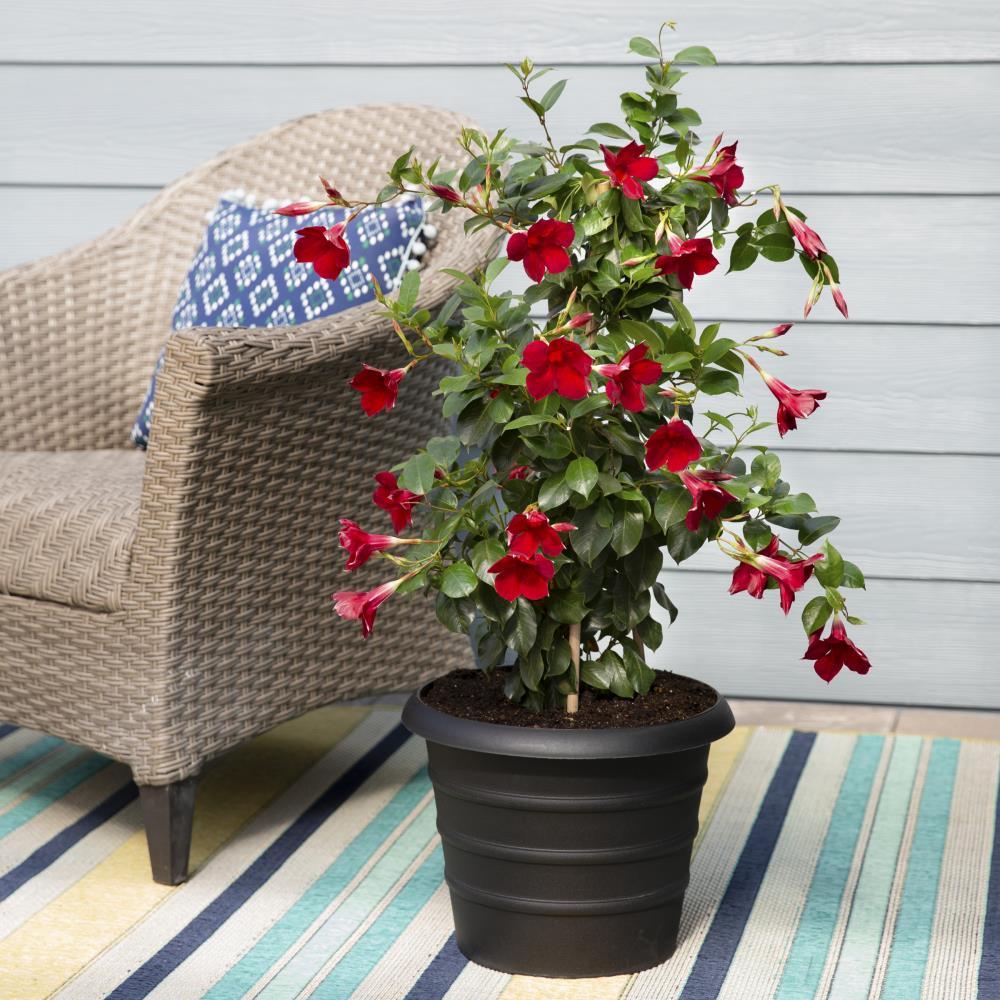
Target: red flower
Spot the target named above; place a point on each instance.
(520, 472)
(527, 533)
(361, 546)
(397, 502)
(325, 249)
(725, 175)
(709, 499)
(673, 445)
(522, 576)
(808, 239)
(542, 247)
(792, 403)
(686, 259)
(446, 193)
(835, 652)
(628, 376)
(791, 576)
(378, 388)
(353, 604)
(627, 167)
(560, 365)
(301, 208)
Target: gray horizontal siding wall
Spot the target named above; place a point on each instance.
(884, 127)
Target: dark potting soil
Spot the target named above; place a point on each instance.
(474, 694)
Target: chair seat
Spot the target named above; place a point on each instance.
(67, 523)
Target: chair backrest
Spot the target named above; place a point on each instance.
(79, 332)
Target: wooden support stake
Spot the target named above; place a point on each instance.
(573, 700)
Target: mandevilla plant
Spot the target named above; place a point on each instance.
(580, 396)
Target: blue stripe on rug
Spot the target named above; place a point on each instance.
(6, 729)
(989, 965)
(446, 966)
(27, 755)
(155, 969)
(53, 849)
(717, 950)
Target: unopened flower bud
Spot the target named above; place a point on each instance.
(775, 331)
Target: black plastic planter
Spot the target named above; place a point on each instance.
(567, 852)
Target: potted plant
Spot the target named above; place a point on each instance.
(567, 772)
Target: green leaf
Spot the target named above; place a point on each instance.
(559, 659)
(493, 270)
(640, 675)
(581, 475)
(651, 632)
(767, 468)
(716, 382)
(672, 504)
(695, 55)
(522, 627)
(591, 536)
(643, 566)
(566, 606)
(626, 532)
(816, 527)
(682, 544)
(757, 534)
(716, 349)
(418, 473)
(408, 290)
(830, 570)
(458, 580)
(815, 614)
(644, 47)
(531, 667)
(555, 491)
(529, 420)
(445, 450)
(662, 598)
(452, 614)
(795, 503)
(610, 130)
(743, 254)
(853, 577)
(483, 555)
(607, 673)
(553, 94)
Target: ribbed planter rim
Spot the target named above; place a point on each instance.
(561, 744)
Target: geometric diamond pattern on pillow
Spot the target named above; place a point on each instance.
(245, 273)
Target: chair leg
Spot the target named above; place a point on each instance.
(168, 813)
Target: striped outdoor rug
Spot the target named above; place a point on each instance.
(829, 865)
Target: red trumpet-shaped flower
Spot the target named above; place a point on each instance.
(446, 193)
(628, 376)
(808, 239)
(378, 388)
(793, 404)
(755, 568)
(354, 604)
(522, 576)
(673, 445)
(361, 546)
(520, 472)
(542, 247)
(560, 365)
(725, 175)
(396, 502)
(580, 319)
(527, 533)
(627, 167)
(686, 259)
(708, 497)
(835, 652)
(325, 249)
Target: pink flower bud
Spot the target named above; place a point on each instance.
(301, 208)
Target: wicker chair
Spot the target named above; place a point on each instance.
(161, 609)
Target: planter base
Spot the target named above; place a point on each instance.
(562, 862)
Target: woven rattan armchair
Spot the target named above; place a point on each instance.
(162, 608)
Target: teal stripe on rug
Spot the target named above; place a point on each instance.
(10, 766)
(52, 792)
(331, 935)
(915, 921)
(349, 973)
(282, 936)
(819, 916)
(860, 948)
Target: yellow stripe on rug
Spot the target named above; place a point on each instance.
(52, 946)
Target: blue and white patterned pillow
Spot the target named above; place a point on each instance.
(245, 274)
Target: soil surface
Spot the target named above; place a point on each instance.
(474, 694)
